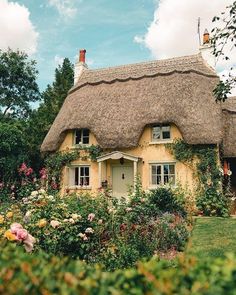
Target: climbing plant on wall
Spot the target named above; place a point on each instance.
(204, 160)
(55, 162)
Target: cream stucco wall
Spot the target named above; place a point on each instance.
(147, 151)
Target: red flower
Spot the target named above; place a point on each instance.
(43, 173)
(23, 168)
(29, 171)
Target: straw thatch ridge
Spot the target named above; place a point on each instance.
(229, 118)
(117, 103)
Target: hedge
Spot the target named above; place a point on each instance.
(22, 273)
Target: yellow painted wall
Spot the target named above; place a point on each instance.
(148, 151)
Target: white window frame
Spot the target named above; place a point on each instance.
(71, 176)
(162, 175)
(161, 139)
(82, 137)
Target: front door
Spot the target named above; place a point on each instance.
(122, 180)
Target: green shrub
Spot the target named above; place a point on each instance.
(41, 273)
(98, 229)
(164, 200)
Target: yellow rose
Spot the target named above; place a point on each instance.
(9, 235)
(42, 222)
(1, 219)
(9, 214)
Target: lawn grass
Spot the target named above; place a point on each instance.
(213, 236)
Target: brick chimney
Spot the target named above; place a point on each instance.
(80, 65)
(207, 50)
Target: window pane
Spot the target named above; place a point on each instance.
(77, 136)
(81, 181)
(158, 169)
(172, 169)
(166, 135)
(87, 180)
(86, 171)
(156, 132)
(166, 179)
(166, 132)
(154, 180)
(166, 169)
(85, 140)
(158, 179)
(86, 132)
(76, 176)
(154, 169)
(172, 179)
(81, 171)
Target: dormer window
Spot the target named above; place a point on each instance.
(161, 132)
(81, 136)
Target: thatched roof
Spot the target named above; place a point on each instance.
(117, 103)
(229, 115)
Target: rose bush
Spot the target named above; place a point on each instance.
(98, 228)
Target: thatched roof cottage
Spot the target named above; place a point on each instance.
(131, 112)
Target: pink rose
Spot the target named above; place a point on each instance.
(23, 167)
(29, 171)
(15, 227)
(91, 216)
(21, 234)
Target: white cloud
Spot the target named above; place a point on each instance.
(66, 8)
(139, 39)
(58, 60)
(173, 31)
(16, 29)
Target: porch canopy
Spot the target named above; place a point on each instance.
(116, 155)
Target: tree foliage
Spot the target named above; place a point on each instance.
(13, 149)
(42, 118)
(18, 86)
(52, 100)
(224, 36)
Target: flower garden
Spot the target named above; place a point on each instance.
(96, 244)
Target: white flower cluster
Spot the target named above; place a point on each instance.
(38, 196)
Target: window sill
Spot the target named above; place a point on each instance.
(79, 146)
(77, 187)
(150, 188)
(161, 142)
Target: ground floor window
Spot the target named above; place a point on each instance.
(162, 174)
(80, 176)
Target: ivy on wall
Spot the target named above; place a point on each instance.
(55, 162)
(204, 160)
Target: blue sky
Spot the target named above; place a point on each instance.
(113, 32)
(105, 28)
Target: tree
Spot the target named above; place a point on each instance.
(52, 99)
(224, 35)
(13, 150)
(18, 87)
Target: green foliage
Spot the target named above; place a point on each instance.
(165, 200)
(18, 85)
(213, 237)
(54, 164)
(224, 38)
(204, 159)
(90, 151)
(13, 150)
(46, 274)
(42, 118)
(96, 229)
